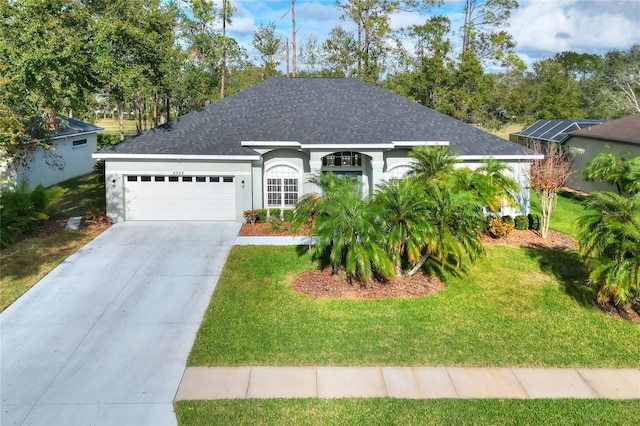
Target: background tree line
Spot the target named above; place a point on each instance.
(153, 60)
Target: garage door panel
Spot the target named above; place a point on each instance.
(161, 199)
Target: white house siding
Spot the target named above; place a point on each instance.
(117, 170)
(583, 150)
(75, 161)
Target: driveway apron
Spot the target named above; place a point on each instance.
(104, 338)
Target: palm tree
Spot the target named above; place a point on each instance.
(408, 223)
(432, 162)
(457, 217)
(348, 229)
(502, 187)
(609, 237)
(616, 169)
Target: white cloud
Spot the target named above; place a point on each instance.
(542, 28)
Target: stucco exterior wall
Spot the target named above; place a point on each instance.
(583, 150)
(116, 170)
(63, 162)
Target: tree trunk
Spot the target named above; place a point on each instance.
(144, 112)
(287, 50)
(155, 109)
(546, 206)
(121, 120)
(293, 38)
(224, 47)
(168, 118)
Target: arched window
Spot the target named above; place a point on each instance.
(282, 186)
(398, 172)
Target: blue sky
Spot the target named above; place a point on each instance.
(540, 27)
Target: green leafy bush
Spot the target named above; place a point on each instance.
(99, 171)
(274, 223)
(287, 215)
(22, 211)
(508, 219)
(521, 222)
(534, 221)
(105, 140)
(498, 228)
(262, 215)
(275, 212)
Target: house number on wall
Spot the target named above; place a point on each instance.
(176, 173)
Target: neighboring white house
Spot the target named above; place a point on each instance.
(258, 148)
(616, 136)
(72, 146)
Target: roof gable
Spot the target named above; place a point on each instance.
(311, 111)
(625, 129)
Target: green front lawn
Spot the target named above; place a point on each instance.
(567, 211)
(516, 307)
(407, 412)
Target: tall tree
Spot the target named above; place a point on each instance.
(226, 13)
(483, 33)
(372, 19)
(340, 51)
(268, 44)
(622, 72)
(47, 58)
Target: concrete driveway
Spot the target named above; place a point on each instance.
(104, 338)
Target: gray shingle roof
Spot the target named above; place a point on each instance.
(310, 111)
(555, 130)
(625, 129)
(70, 126)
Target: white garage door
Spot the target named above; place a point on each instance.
(179, 197)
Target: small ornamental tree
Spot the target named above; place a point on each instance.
(547, 175)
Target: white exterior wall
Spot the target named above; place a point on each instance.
(75, 161)
(583, 150)
(116, 170)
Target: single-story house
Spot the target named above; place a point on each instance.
(616, 136)
(550, 131)
(257, 149)
(71, 154)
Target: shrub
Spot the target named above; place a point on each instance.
(497, 228)
(508, 219)
(251, 216)
(262, 215)
(521, 222)
(99, 171)
(21, 211)
(274, 223)
(105, 140)
(275, 212)
(287, 215)
(534, 221)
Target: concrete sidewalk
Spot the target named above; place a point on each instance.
(201, 383)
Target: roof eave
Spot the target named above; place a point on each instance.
(123, 156)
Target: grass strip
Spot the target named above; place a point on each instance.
(407, 412)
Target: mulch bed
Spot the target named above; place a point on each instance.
(324, 284)
(530, 238)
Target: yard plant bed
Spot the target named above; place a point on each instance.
(530, 238)
(324, 284)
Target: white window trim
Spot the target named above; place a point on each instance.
(265, 193)
(396, 165)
